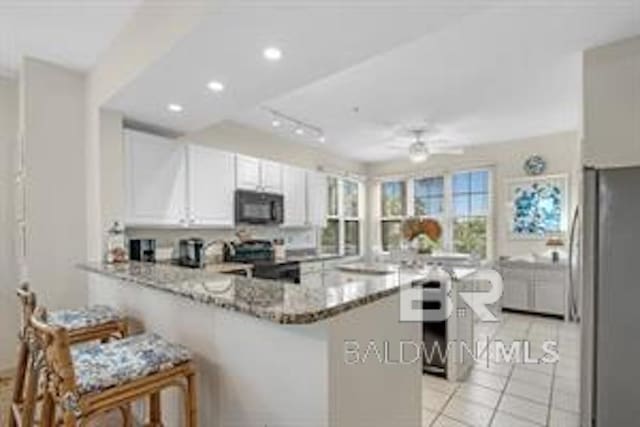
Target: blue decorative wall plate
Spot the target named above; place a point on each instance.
(535, 165)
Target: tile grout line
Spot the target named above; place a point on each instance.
(444, 405)
(553, 381)
(504, 389)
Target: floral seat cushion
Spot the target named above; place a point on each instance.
(83, 317)
(98, 367)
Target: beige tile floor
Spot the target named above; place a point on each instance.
(512, 395)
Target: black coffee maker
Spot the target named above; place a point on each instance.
(142, 250)
(191, 253)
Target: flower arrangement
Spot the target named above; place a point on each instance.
(425, 232)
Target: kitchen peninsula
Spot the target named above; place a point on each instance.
(273, 353)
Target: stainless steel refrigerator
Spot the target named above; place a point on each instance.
(610, 391)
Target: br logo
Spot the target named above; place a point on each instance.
(433, 299)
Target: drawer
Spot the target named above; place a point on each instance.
(551, 276)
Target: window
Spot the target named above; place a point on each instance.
(428, 196)
(391, 234)
(393, 207)
(460, 202)
(351, 237)
(330, 240)
(342, 235)
(470, 212)
(332, 206)
(350, 198)
(393, 199)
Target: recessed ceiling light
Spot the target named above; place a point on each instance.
(176, 108)
(276, 123)
(299, 131)
(272, 54)
(322, 139)
(215, 86)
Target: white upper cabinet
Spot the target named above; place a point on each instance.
(317, 198)
(258, 175)
(248, 172)
(271, 176)
(295, 196)
(211, 186)
(156, 180)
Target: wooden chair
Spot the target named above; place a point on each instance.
(87, 381)
(86, 324)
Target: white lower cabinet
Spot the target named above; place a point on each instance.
(536, 287)
(156, 180)
(516, 293)
(211, 187)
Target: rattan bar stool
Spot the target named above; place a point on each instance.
(86, 324)
(86, 381)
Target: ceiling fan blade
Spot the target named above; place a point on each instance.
(397, 147)
(446, 150)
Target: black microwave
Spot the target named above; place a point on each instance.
(253, 207)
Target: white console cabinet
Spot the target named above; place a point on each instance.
(539, 287)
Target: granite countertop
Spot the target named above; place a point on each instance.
(279, 302)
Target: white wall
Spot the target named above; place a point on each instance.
(53, 120)
(153, 29)
(561, 150)
(8, 276)
(234, 137)
(612, 104)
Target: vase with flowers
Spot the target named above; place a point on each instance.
(423, 234)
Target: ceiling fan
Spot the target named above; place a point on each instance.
(420, 150)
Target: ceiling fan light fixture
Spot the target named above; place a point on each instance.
(418, 153)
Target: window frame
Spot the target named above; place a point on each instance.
(343, 219)
(447, 218)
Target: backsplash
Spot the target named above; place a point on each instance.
(168, 238)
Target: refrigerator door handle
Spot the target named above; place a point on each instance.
(573, 300)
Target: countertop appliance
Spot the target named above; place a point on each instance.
(142, 250)
(191, 252)
(610, 315)
(253, 207)
(261, 254)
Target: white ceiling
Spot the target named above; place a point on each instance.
(480, 70)
(317, 40)
(490, 77)
(71, 33)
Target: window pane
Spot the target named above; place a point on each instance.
(333, 196)
(391, 234)
(461, 182)
(429, 186)
(330, 237)
(351, 198)
(428, 196)
(480, 182)
(470, 236)
(351, 237)
(393, 198)
(429, 206)
(461, 206)
(479, 204)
